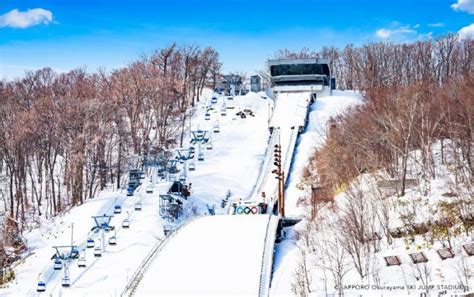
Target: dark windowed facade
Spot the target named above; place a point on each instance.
(299, 69)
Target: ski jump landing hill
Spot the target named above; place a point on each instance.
(233, 254)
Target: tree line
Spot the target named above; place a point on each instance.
(384, 64)
(411, 111)
(64, 136)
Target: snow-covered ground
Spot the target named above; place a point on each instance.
(238, 150)
(422, 204)
(102, 275)
(212, 256)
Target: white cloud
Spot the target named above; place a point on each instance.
(425, 36)
(464, 5)
(438, 25)
(25, 19)
(467, 32)
(395, 32)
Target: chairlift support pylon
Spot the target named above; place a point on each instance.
(102, 223)
(199, 136)
(171, 166)
(66, 252)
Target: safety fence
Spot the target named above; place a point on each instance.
(266, 166)
(267, 257)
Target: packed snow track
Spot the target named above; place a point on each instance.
(212, 256)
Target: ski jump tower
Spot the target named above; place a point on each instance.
(301, 75)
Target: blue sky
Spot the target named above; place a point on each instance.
(67, 34)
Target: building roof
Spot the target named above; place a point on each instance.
(274, 62)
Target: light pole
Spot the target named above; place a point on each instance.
(280, 176)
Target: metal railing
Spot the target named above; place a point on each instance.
(289, 153)
(267, 257)
(266, 166)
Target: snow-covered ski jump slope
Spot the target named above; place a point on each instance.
(219, 255)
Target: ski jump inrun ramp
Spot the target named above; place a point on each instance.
(227, 254)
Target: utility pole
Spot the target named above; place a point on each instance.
(280, 176)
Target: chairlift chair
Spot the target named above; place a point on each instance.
(214, 100)
(209, 146)
(216, 129)
(90, 243)
(138, 205)
(66, 282)
(41, 287)
(126, 224)
(192, 166)
(74, 252)
(207, 116)
(149, 189)
(224, 111)
(167, 229)
(58, 264)
(117, 209)
(201, 157)
(97, 251)
(81, 263)
(113, 240)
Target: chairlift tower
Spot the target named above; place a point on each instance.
(65, 253)
(102, 225)
(185, 154)
(200, 137)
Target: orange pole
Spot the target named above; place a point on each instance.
(283, 194)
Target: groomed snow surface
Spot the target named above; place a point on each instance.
(212, 256)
